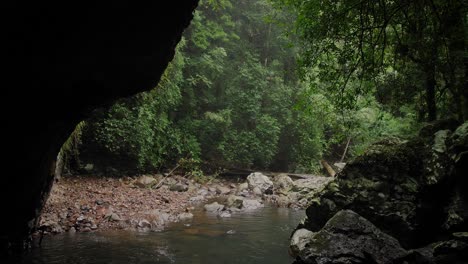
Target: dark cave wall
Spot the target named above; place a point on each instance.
(63, 61)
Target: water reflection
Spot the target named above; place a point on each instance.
(256, 237)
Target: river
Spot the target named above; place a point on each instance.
(261, 236)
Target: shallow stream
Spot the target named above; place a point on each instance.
(257, 237)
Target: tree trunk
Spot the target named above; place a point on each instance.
(431, 93)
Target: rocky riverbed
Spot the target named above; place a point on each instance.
(149, 202)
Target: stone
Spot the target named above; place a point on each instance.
(283, 183)
(86, 229)
(260, 181)
(51, 226)
(234, 201)
(299, 241)
(222, 190)
(145, 181)
(89, 167)
(339, 166)
(214, 207)
(224, 214)
(185, 216)
(242, 187)
(257, 191)
(347, 238)
(311, 185)
(144, 224)
(283, 201)
(178, 187)
(203, 191)
(396, 184)
(251, 204)
(450, 251)
(115, 217)
(197, 199)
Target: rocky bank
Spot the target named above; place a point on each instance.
(150, 202)
(400, 202)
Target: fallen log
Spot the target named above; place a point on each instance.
(328, 168)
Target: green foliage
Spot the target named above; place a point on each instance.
(233, 96)
(419, 43)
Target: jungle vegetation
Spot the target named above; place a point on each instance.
(281, 84)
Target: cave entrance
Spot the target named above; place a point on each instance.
(188, 151)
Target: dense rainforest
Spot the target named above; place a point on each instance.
(281, 84)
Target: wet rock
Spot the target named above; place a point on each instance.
(251, 204)
(224, 214)
(145, 181)
(185, 216)
(144, 224)
(159, 218)
(346, 238)
(451, 251)
(51, 226)
(85, 229)
(234, 201)
(260, 181)
(214, 207)
(72, 230)
(299, 241)
(412, 190)
(283, 201)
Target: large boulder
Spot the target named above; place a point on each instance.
(413, 190)
(346, 238)
(283, 183)
(260, 181)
